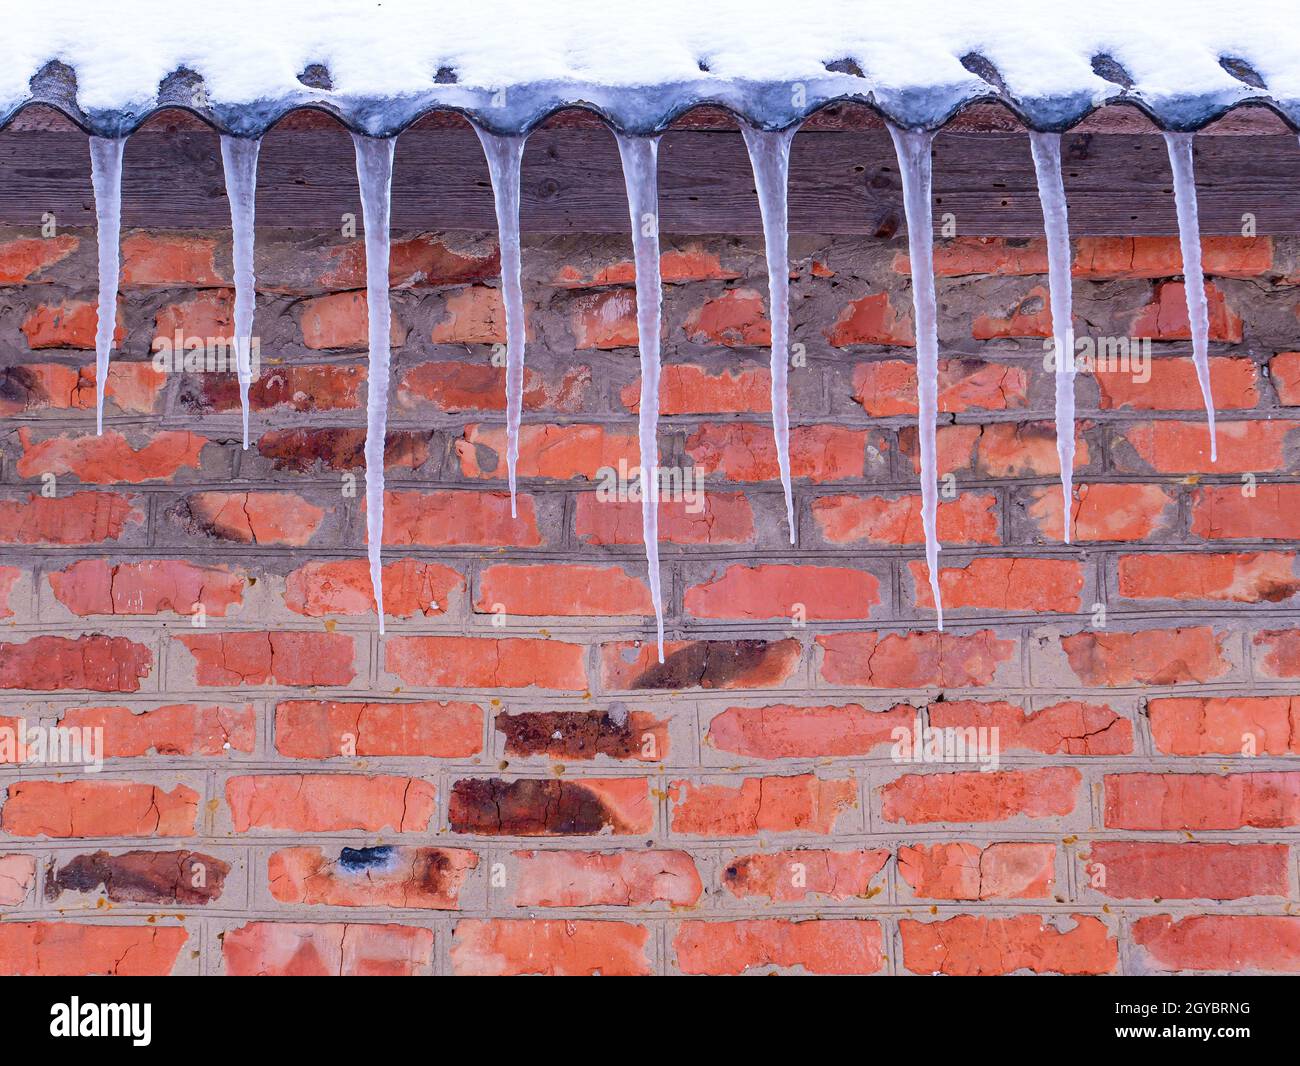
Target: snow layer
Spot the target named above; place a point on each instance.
(249, 50)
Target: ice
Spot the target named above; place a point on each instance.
(913, 149)
(504, 156)
(375, 176)
(769, 155)
(1189, 239)
(1046, 149)
(106, 177)
(640, 157)
(239, 158)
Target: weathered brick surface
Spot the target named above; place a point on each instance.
(509, 781)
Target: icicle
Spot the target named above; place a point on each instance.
(769, 155)
(106, 177)
(640, 157)
(504, 156)
(239, 158)
(1189, 238)
(375, 176)
(1046, 149)
(913, 150)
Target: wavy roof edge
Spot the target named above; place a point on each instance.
(642, 110)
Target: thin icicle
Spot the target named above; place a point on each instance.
(375, 176)
(106, 177)
(640, 157)
(1046, 149)
(504, 157)
(1189, 239)
(769, 155)
(913, 150)
(239, 158)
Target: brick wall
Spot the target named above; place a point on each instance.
(508, 781)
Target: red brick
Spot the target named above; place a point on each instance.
(476, 315)
(780, 731)
(209, 316)
(1068, 728)
(530, 807)
(67, 325)
(252, 517)
(708, 664)
(1202, 801)
(975, 796)
(1165, 317)
(561, 452)
(999, 449)
(253, 658)
(96, 662)
(1103, 512)
(686, 389)
(324, 729)
(794, 876)
(735, 320)
(1003, 585)
(1234, 943)
(330, 803)
(633, 735)
(340, 321)
(1030, 316)
(604, 320)
(109, 458)
(818, 946)
(720, 518)
(176, 729)
(1202, 725)
(340, 448)
(1173, 386)
(74, 949)
(342, 586)
(133, 387)
(972, 946)
(154, 586)
(800, 804)
(871, 320)
(78, 518)
(9, 577)
(480, 662)
(888, 388)
(775, 590)
(284, 949)
(389, 876)
(913, 660)
(306, 388)
(1148, 657)
(562, 589)
(451, 517)
(456, 386)
(1162, 257)
(1284, 372)
(605, 879)
(417, 262)
(169, 261)
(1255, 577)
(508, 947)
(17, 878)
(67, 809)
(746, 451)
(676, 266)
(1281, 654)
(24, 259)
(1148, 869)
(972, 518)
(1225, 512)
(963, 256)
(1184, 447)
(963, 871)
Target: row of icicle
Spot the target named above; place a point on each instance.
(769, 154)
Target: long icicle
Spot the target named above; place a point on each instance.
(1189, 239)
(913, 150)
(1046, 149)
(769, 155)
(239, 159)
(375, 177)
(504, 157)
(640, 157)
(106, 177)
